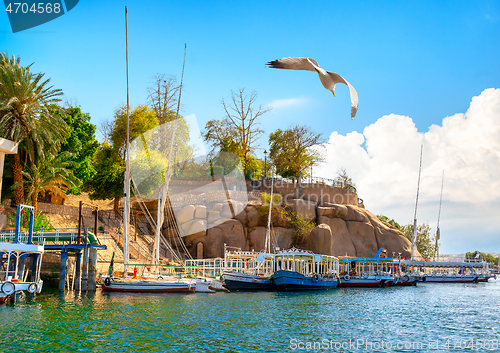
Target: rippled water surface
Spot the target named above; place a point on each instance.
(426, 318)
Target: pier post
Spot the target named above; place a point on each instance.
(85, 266)
(78, 272)
(91, 282)
(62, 274)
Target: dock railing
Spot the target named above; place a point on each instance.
(57, 236)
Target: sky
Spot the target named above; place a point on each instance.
(426, 73)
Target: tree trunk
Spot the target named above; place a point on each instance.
(34, 201)
(116, 204)
(18, 177)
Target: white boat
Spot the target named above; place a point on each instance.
(237, 281)
(20, 263)
(111, 284)
(448, 272)
(367, 271)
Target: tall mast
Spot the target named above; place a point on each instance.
(267, 247)
(438, 231)
(414, 235)
(162, 195)
(126, 192)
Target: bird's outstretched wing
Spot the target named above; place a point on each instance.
(294, 64)
(336, 78)
(328, 79)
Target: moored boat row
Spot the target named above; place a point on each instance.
(296, 269)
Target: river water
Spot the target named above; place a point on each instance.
(426, 318)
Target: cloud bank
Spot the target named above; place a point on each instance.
(384, 160)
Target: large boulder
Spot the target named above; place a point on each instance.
(186, 214)
(332, 210)
(319, 240)
(355, 213)
(283, 237)
(230, 233)
(363, 238)
(200, 212)
(342, 243)
(390, 238)
(213, 216)
(252, 216)
(197, 225)
(307, 209)
(258, 237)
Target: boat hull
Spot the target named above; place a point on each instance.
(148, 286)
(405, 280)
(451, 279)
(294, 281)
(235, 281)
(361, 283)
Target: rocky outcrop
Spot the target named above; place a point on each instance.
(341, 244)
(341, 229)
(306, 209)
(358, 232)
(319, 240)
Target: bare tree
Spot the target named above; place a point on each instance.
(344, 179)
(163, 96)
(106, 129)
(242, 117)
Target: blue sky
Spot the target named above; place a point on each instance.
(424, 60)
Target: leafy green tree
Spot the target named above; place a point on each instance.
(109, 160)
(25, 116)
(481, 256)
(81, 143)
(141, 119)
(50, 174)
(107, 182)
(389, 221)
(426, 243)
(294, 150)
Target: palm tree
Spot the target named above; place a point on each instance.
(51, 174)
(25, 115)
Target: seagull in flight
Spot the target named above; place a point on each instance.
(328, 79)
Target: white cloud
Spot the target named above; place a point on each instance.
(466, 146)
(287, 103)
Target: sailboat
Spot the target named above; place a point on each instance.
(248, 270)
(155, 283)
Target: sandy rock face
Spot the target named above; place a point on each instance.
(319, 240)
(283, 237)
(200, 212)
(258, 237)
(307, 209)
(186, 214)
(332, 211)
(230, 233)
(363, 238)
(357, 232)
(390, 238)
(342, 230)
(341, 244)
